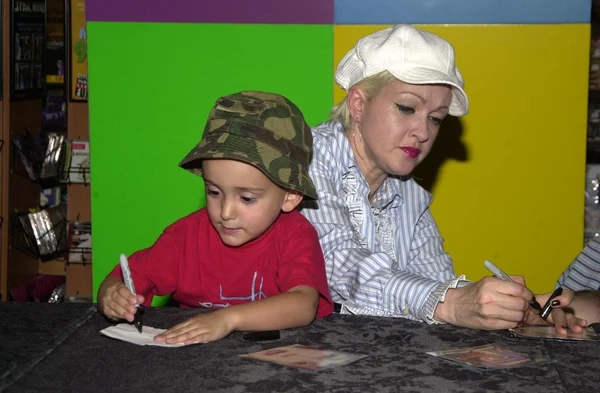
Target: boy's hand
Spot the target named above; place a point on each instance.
(202, 328)
(116, 301)
(296, 307)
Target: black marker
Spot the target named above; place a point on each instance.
(547, 309)
(503, 276)
(137, 316)
(262, 336)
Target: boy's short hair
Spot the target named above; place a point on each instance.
(265, 130)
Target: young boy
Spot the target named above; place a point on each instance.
(249, 254)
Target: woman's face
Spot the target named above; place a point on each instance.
(398, 126)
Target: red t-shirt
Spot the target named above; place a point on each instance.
(190, 261)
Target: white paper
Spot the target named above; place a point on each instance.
(129, 333)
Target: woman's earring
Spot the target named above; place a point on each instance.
(359, 133)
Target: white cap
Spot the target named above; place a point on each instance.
(413, 56)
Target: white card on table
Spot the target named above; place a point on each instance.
(129, 333)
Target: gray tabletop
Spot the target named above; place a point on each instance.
(58, 348)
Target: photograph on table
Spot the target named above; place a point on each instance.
(489, 357)
(548, 332)
(309, 358)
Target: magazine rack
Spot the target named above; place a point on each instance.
(39, 167)
(79, 242)
(83, 171)
(41, 234)
(19, 239)
(19, 261)
(82, 255)
(54, 167)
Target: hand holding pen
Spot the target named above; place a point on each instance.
(547, 309)
(562, 320)
(115, 300)
(503, 276)
(137, 316)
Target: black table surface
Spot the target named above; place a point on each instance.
(58, 348)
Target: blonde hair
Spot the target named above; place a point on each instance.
(371, 86)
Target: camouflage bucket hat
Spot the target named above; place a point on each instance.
(262, 129)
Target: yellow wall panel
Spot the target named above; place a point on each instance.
(516, 196)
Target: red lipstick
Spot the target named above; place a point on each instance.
(412, 152)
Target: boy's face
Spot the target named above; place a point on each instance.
(242, 202)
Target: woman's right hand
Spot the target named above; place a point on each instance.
(489, 304)
(116, 301)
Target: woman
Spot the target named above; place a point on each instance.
(583, 277)
(383, 250)
(584, 272)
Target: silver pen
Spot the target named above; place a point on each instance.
(503, 276)
(137, 319)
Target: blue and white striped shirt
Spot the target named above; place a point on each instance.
(584, 272)
(383, 257)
